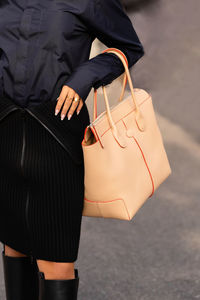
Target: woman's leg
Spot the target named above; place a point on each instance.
(56, 270)
(57, 280)
(12, 252)
(20, 275)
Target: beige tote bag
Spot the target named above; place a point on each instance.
(124, 156)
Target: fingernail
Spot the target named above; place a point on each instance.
(62, 116)
(69, 117)
(57, 99)
(56, 112)
(78, 112)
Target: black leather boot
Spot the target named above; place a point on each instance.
(58, 289)
(20, 277)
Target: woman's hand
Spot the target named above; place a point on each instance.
(67, 97)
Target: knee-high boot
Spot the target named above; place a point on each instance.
(20, 277)
(58, 289)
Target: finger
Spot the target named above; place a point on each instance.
(61, 98)
(68, 102)
(80, 105)
(73, 106)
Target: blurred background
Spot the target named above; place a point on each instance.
(156, 255)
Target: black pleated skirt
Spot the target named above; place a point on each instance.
(41, 191)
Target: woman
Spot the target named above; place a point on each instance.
(45, 78)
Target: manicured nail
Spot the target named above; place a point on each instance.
(69, 117)
(62, 116)
(78, 112)
(56, 112)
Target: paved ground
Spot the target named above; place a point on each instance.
(156, 256)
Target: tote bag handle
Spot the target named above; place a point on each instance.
(123, 86)
(139, 119)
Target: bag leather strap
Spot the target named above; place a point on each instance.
(125, 80)
(138, 115)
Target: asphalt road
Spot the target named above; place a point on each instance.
(155, 256)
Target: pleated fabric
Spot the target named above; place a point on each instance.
(41, 191)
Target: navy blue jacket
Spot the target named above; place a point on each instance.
(46, 44)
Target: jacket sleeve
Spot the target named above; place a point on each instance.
(107, 21)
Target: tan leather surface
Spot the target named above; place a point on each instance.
(124, 163)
